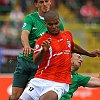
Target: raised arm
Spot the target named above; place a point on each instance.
(40, 56)
(94, 82)
(78, 49)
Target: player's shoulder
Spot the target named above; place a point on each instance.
(34, 14)
(79, 76)
(44, 37)
(66, 32)
(76, 74)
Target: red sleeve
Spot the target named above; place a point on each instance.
(38, 46)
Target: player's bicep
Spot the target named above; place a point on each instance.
(93, 82)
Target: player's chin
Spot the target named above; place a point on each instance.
(55, 32)
(45, 10)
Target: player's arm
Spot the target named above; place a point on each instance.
(78, 49)
(27, 26)
(24, 37)
(40, 56)
(93, 82)
(25, 42)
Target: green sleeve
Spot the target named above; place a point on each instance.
(27, 23)
(83, 80)
(65, 97)
(77, 81)
(61, 25)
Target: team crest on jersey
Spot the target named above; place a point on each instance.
(69, 44)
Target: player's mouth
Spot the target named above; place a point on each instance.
(46, 8)
(80, 63)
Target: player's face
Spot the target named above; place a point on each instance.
(76, 61)
(53, 25)
(43, 6)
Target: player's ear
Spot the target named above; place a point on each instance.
(50, 2)
(99, 76)
(45, 24)
(35, 4)
(72, 61)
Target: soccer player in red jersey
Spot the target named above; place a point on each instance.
(52, 55)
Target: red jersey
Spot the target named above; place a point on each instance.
(56, 65)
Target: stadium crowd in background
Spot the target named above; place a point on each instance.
(8, 34)
(90, 12)
(17, 17)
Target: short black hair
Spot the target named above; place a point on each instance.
(51, 14)
(34, 1)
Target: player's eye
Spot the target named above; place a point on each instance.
(46, 0)
(41, 2)
(50, 24)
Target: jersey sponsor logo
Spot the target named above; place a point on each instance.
(64, 52)
(24, 24)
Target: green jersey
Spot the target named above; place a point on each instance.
(77, 81)
(36, 25)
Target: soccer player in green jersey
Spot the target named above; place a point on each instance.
(78, 79)
(32, 29)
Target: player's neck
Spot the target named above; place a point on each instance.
(41, 13)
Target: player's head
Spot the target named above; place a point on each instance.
(76, 61)
(52, 22)
(42, 6)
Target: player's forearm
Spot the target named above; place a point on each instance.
(39, 57)
(24, 38)
(80, 50)
(93, 82)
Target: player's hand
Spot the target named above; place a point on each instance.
(26, 50)
(46, 44)
(95, 53)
